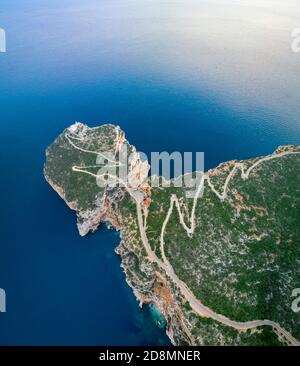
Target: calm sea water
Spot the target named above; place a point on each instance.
(211, 76)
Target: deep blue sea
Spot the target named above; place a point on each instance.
(213, 76)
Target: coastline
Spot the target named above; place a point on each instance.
(151, 278)
(122, 250)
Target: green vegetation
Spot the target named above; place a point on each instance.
(243, 259)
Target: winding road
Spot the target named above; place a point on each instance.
(165, 265)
